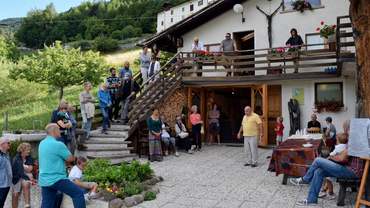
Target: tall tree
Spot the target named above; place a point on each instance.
(59, 67)
(360, 16)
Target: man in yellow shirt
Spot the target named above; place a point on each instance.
(251, 128)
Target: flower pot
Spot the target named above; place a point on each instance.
(332, 38)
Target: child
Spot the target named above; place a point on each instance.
(75, 175)
(279, 128)
(342, 140)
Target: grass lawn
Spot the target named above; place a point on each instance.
(29, 105)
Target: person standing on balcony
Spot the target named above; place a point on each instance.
(154, 67)
(113, 83)
(128, 87)
(196, 122)
(105, 103)
(125, 70)
(155, 130)
(6, 174)
(87, 108)
(295, 40)
(228, 47)
(144, 63)
(251, 128)
(197, 48)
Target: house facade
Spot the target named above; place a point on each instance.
(257, 79)
(173, 15)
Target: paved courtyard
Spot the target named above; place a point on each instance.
(216, 178)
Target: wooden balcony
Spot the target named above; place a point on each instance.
(261, 65)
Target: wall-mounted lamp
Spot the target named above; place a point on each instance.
(239, 9)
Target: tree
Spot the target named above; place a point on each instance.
(360, 15)
(8, 49)
(59, 67)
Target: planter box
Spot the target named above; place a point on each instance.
(286, 56)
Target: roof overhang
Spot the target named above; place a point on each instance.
(167, 39)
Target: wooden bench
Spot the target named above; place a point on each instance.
(345, 183)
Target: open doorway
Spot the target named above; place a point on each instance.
(244, 42)
(231, 102)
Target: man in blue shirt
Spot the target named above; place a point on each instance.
(52, 171)
(5, 170)
(125, 70)
(105, 103)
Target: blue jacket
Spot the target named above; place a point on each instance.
(104, 98)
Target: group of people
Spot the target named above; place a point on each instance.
(18, 173)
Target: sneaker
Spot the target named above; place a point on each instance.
(177, 154)
(193, 147)
(166, 153)
(93, 195)
(297, 181)
(87, 197)
(190, 151)
(254, 165)
(331, 196)
(305, 203)
(247, 164)
(322, 194)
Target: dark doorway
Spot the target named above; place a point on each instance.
(244, 42)
(231, 102)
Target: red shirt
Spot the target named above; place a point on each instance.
(195, 118)
(280, 128)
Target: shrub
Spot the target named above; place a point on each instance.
(13, 148)
(85, 45)
(105, 44)
(133, 188)
(149, 196)
(117, 34)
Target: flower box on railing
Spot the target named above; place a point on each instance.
(282, 56)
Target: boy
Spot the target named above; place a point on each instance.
(279, 128)
(342, 140)
(76, 175)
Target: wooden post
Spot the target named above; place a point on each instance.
(203, 110)
(253, 94)
(190, 102)
(265, 111)
(6, 121)
(361, 191)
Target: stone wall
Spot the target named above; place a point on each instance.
(173, 105)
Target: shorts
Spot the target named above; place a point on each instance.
(214, 128)
(279, 139)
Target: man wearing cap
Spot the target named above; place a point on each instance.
(128, 86)
(5, 170)
(52, 173)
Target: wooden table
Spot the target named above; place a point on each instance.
(292, 159)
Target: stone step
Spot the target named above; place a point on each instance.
(118, 161)
(117, 127)
(111, 134)
(123, 155)
(101, 140)
(102, 154)
(105, 147)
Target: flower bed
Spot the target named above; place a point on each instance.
(128, 184)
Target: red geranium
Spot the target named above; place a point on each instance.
(318, 29)
(322, 22)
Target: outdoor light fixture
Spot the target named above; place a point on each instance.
(239, 9)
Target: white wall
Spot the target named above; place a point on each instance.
(178, 13)
(307, 22)
(308, 107)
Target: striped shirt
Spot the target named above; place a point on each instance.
(113, 84)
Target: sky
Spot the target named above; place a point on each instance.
(20, 8)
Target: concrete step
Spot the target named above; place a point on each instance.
(101, 140)
(117, 127)
(111, 134)
(102, 154)
(118, 161)
(105, 147)
(123, 155)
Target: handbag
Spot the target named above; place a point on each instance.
(202, 130)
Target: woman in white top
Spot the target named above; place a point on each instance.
(154, 67)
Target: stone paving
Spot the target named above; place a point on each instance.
(216, 178)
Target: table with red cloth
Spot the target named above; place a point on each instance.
(292, 159)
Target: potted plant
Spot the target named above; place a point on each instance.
(327, 32)
(301, 5)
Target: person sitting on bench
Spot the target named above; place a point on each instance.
(181, 132)
(166, 138)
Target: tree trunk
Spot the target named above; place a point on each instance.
(61, 93)
(360, 16)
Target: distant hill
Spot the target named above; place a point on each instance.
(13, 22)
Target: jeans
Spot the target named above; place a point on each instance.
(197, 135)
(125, 105)
(49, 194)
(105, 112)
(169, 140)
(251, 149)
(320, 169)
(3, 194)
(87, 127)
(114, 109)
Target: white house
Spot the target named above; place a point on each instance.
(173, 15)
(211, 24)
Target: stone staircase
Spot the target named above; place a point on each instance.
(112, 146)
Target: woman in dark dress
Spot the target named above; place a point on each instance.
(295, 40)
(155, 129)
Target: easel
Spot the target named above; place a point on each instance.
(361, 191)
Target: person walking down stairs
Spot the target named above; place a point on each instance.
(105, 103)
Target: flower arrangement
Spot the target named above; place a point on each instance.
(326, 30)
(329, 106)
(278, 50)
(301, 5)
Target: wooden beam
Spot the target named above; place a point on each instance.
(190, 101)
(203, 114)
(265, 111)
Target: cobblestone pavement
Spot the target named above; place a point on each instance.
(216, 178)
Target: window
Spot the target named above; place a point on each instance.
(288, 4)
(171, 19)
(200, 3)
(329, 92)
(183, 9)
(191, 7)
(171, 12)
(162, 23)
(314, 38)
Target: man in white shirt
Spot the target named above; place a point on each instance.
(197, 45)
